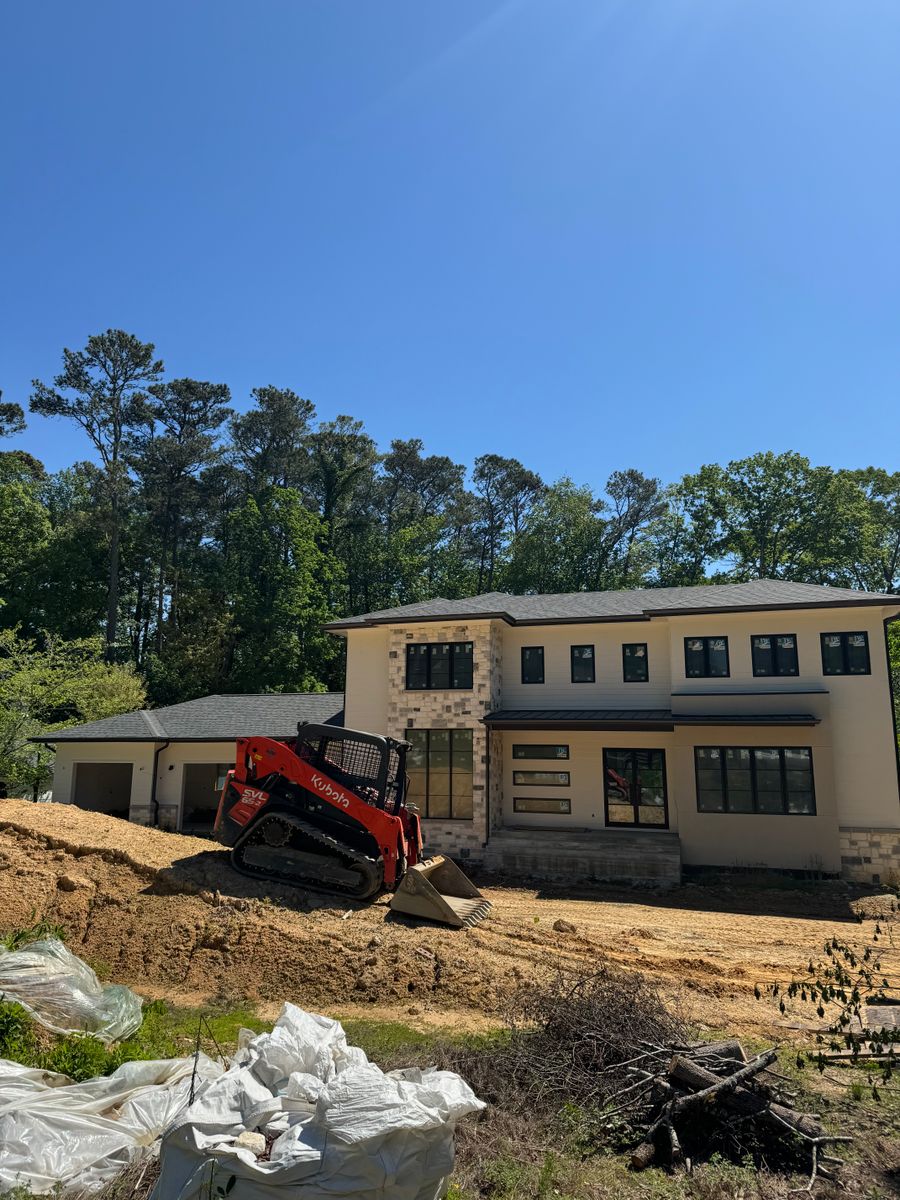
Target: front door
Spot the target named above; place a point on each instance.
(635, 788)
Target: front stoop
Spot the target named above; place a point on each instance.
(590, 855)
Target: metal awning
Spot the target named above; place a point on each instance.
(631, 718)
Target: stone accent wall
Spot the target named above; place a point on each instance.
(454, 710)
(870, 855)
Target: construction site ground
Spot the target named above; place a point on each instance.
(166, 914)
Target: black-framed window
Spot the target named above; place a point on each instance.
(541, 779)
(706, 657)
(438, 666)
(845, 654)
(755, 779)
(539, 804)
(635, 664)
(439, 765)
(532, 664)
(539, 750)
(634, 787)
(774, 654)
(582, 664)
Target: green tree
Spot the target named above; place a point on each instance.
(877, 565)
(47, 684)
(103, 389)
(270, 439)
(506, 491)
(12, 418)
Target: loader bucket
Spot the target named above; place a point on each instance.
(439, 891)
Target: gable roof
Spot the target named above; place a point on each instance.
(639, 604)
(211, 719)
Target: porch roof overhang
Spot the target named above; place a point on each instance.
(633, 719)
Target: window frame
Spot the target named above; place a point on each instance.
(636, 823)
(532, 681)
(627, 646)
(706, 638)
(412, 647)
(543, 782)
(593, 661)
(755, 812)
(844, 635)
(540, 757)
(428, 732)
(562, 807)
(774, 674)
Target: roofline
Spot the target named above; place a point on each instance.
(646, 614)
(55, 738)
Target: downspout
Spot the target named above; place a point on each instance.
(893, 695)
(154, 803)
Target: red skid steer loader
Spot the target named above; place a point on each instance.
(329, 812)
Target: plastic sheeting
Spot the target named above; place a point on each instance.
(63, 993)
(341, 1126)
(79, 1135)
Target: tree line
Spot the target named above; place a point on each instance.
(202, 548)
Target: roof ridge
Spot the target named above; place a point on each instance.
(155, 727)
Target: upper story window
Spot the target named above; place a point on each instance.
(845, 654)
(706, 657)
(532, 664)
(635, 666)
(774, 654)
(582, 664)
(436, 666)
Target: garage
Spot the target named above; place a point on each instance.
(203, 783)
(103, 787)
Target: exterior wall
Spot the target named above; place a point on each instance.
(170, 778)
(857, 707)
(451, 709)
(609, 690)
(870, 855)
(140, 754)
(366, 687)
(808, 843)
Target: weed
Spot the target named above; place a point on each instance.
(37, 931)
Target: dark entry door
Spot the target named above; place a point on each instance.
(635, 788)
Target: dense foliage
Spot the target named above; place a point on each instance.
(206, 547)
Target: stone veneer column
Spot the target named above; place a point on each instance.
(453, 709)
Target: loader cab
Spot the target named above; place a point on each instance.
(372, 767)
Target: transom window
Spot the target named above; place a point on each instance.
(539, 750)
(439, 765)
(706, 657)
(532, 664)
(438, 666)
(774, 654)
(634, 784)
(635, 667)
(582, 664)
(845, 654)
(755, 779)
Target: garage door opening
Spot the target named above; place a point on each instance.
(203, 783)
(104, 787)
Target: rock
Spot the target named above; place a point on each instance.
(562, 926)
(374, 941)
(414, 1010)
(252, 1141)
(371, 960)
(71, 883)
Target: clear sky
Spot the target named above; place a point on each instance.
(591, 234)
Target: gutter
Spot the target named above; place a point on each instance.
(893, 695)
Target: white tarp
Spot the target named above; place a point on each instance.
(63, 993)
(79, 1135)
(341, 1126)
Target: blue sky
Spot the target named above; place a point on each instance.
(588, 233)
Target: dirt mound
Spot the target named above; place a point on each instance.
(166, 914)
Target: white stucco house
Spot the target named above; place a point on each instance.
(609, 734)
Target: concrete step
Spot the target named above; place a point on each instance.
(608, 855)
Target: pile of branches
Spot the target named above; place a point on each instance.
(605, 1048)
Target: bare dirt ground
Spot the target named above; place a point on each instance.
(165, 914)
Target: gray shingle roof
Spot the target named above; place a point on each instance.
(660, 718)
(212, 719)
(635, 605)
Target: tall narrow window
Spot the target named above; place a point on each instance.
(438, 666)
(845, 654)
(635, 668)
(706, 657)
(774, 654)
(582, 664)
(439, 766)
(532, 664)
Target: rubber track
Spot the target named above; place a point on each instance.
(373, 875)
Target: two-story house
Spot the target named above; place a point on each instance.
(621, 734)
(618, 735)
